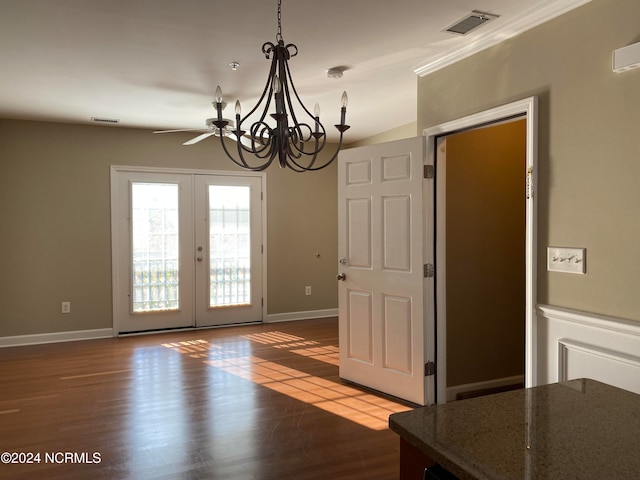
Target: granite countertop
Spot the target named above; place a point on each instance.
(580, 429)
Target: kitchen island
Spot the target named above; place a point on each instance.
(580, 429)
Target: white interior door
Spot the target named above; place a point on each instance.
(187, 249)
(384, 297)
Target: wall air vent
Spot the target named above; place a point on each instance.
(111, 121)
(472, 21)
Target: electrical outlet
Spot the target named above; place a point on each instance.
(307, 290)
(567, 260)
(66, 307)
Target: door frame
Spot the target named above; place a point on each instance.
(525, 109)
(115, 170)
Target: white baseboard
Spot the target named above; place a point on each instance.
(41, 338)
(452, 392)
(306, 315)
(36, 339)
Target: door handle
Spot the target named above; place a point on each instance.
(341, 276)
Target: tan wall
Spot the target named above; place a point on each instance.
(56, 241)
(399, 133)
(485, 253)
(589, 147)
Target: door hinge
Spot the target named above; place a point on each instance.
(429, 369)
(429, 171)
(429, 271)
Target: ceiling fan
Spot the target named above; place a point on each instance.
(209, 130)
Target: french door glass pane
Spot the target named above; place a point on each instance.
(155, 247)
(229, 245)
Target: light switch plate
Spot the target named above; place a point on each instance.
(567, 260)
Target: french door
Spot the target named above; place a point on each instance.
(187, 249)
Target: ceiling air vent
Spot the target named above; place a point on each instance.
(472, 21)
(111, 121)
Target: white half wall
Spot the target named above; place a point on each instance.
(573, 344)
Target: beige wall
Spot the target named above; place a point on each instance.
(589, 147)
(56, 240)
(485, 253)
(405, 131)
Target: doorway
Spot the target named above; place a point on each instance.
(187, 249)
(485, 258)
(525, 109)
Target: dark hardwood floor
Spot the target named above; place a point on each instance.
(256, 402)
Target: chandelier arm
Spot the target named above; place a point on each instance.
(242, 162)
(312, 161)
(257, 133)
(328, 162)
(315, 135)
(295, 92)
(317, 148)
(268, 88)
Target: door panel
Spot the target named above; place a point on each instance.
(397, 333)
(359, 326)
(396, 226)
(359, 232)
(381, 299)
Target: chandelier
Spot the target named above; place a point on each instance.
(296, 143)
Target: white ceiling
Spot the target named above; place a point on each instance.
(155, 63)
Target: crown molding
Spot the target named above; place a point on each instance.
(531, 18)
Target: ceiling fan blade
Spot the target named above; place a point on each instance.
(199, 138)
(181, 130)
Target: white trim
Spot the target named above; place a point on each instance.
(452, 392)
(613, 324)
(306, 315)
(565, 346)
(575, 344)
(525, 21)
(40, 338)
(528, 109)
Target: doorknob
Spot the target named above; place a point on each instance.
(199, 259)
(341, 276)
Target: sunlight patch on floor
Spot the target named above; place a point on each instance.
(350, 403)
(366, 409)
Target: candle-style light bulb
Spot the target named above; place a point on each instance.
(316, 110)
(344, 100)
(238, 108)
(218, 94)
(276, 84)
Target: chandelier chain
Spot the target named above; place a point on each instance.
(279, 34)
